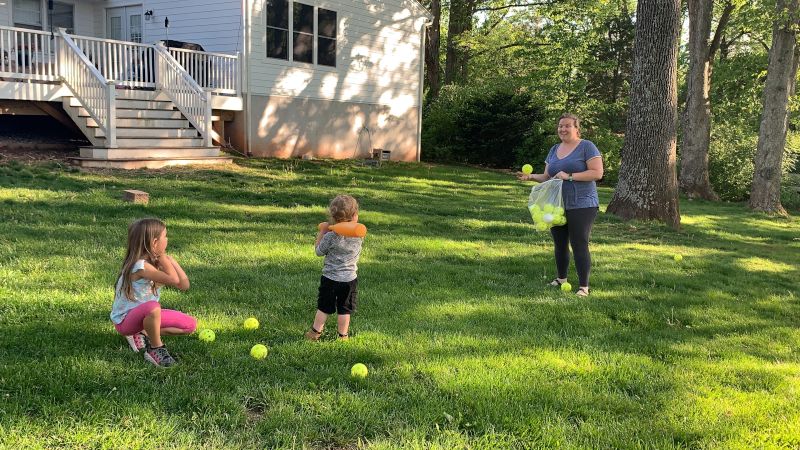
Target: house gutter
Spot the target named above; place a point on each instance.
(246, 72)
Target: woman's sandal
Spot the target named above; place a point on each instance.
(556, 283)
(582, 292)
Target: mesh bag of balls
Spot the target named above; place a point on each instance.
(546, 205)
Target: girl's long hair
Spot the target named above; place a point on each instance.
(141, 234)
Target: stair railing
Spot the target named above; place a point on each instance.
(87, 84)
(184, 92)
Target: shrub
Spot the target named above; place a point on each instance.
(496, 126)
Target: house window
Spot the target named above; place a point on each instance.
(303, 32)
(63, 16)
(326, 37)
(278, 29)
(303, 27)
(28, 14)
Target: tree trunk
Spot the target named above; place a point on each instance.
(648, 185)
(455, 69)
(779, 86)
(432, 66)
(697, 116)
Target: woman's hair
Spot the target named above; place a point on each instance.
(343, 208)
(141, 234)
(575, 120)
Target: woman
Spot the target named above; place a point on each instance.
(579, 164)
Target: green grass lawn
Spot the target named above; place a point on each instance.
(466, 346)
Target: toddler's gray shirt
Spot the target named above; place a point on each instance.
(341, 256)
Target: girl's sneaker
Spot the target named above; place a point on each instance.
(137, 341)
(159, 357)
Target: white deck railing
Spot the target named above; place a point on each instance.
(96, 94)
(216, 72)
(191, 99)
(28, 54)
(92, 68)
(126, 63)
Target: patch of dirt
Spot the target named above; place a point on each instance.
(36, 138)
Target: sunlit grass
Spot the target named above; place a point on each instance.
(466, 345)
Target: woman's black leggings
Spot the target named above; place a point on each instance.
(576, 234)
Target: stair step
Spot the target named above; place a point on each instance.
(130, 142)
(138, 94)
(147, 114)
(139, 114)
(147, 152)
(145, 104)
(147, 163)
(145, 123)
(134, 104)
(155, 133)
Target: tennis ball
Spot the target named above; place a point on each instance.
(541, 226)
(250, 323)
(259, 351)
(566, 287)
(207, 335)
(359, 371)
(558, 211)
(547, 218)
(535, 207)
(527, 169)
(678, 257)
(548, 208)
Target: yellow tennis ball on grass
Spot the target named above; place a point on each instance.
(250, 323)
(527, 169)
(359, 371)
(259, 351)
(206, 335)
(678, 257)
(566, 287)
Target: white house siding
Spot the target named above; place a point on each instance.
(84, 19)
(214, 24)
(5, 13)
(375, 84)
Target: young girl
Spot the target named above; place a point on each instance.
(136, 312)
(338, 287)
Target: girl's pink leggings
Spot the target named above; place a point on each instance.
(134, 320)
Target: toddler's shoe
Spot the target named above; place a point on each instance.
(159, 357)
(137, 341)
(313, 335)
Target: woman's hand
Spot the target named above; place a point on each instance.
(562, 176)
(523, 177)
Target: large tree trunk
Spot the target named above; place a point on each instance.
(781, 72)
(432, 69)
(648, 185)
(697, 116)
(455, 68)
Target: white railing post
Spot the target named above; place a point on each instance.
(207, 137)
(237, 77)
(157, 67)
(111, 110)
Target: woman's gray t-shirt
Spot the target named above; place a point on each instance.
(341, 256)
(576, 194)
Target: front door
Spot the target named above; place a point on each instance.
(124, 23)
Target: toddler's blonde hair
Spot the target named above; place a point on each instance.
(343, 208)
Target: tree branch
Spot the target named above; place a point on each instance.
(516, 5)
(723, 23)
(503, 47)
